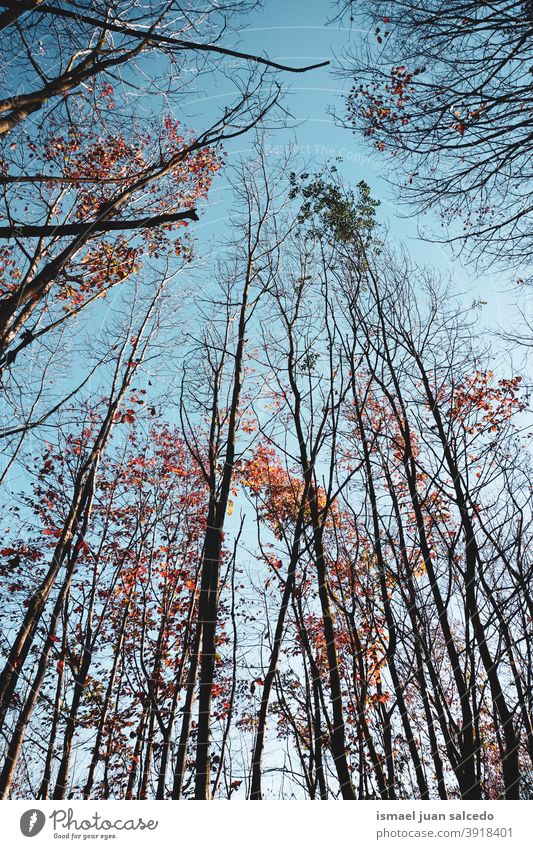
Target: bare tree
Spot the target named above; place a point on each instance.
(443, 92)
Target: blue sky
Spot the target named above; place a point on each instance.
(296, 32)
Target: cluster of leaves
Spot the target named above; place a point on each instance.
(327, 207)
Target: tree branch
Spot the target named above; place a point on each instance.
(39, 230)
(159, 38)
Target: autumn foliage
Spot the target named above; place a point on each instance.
(267, 497)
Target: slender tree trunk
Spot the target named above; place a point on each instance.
(389, 616)
(338, 740)
(22, 643)
(510, 765)
(95, 757)
(136, 755)
(318, 735)
(17, 738)
(80, 682)
(255, 785)
(209, 587)
(468, 778)
(181, 757)
(58, 701)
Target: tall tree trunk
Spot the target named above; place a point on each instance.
(209, 587)
(255, 785)
(80, 682)
(19, 733)
(95, 756)
(510, 765)
(58, 701)
(389, 616)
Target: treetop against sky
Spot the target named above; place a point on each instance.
(266, 428)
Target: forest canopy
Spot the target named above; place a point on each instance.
(266, 482)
